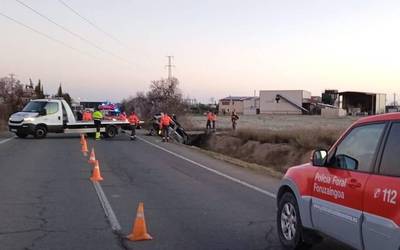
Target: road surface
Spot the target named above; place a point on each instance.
(191, 201)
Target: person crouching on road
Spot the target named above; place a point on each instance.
(97, 116)
(133, 121)
(165, 121)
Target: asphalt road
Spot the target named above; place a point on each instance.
(48, 202)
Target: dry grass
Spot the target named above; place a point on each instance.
(273, 122)
(301, 138)
(276, 149)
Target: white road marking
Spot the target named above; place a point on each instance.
(270, 194)
(6, 140)
(115, 226)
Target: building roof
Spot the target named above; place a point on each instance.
(358, 92)
(235, 98)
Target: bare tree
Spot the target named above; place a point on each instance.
(11, 96)
(163, 96)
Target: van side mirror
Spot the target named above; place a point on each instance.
(319, 157)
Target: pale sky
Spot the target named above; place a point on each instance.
(221, 47)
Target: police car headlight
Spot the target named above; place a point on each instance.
(29, 119)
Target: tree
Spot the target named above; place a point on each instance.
(59, 92)
(39, 90)
(163, 96)
(11, 93)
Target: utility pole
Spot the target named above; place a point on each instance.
(394, 100)
(170, 66)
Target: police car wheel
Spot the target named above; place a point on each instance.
(289, 222)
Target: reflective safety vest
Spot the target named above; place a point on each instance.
(209, 116)
(87, 116)
(133, 119)
(122, 117)
(97, 115)
(165, 120)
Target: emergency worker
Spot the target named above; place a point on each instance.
(165, 121)
(122, 116)
(133, 121)
(87, 116)
(209, 119)
(97, 116)
(213, 119)
(234, 118)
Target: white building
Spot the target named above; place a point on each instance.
(284, 101)
(251, 106)
(231, 103)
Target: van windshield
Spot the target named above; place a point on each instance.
(35, 107)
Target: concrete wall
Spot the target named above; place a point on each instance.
(268, 104)
(232, 106)
(380, 103)
(251, 105)
(333, 113)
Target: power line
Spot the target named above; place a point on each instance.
(91, 23)
(47, 36)
(72, 33)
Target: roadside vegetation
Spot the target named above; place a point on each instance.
(274, 149)
(163, 96)
(274, 142)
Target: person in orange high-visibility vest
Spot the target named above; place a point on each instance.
(213, 119)
(133, 121)
(209, 119)
(122, 117)
(165, 121)
(87, 116)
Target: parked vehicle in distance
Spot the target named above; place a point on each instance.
(350, 193)
(43, 116)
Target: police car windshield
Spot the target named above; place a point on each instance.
(35, 107)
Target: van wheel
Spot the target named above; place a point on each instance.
(111, 131)
(40, 132)
(289, 222)
(21, 135)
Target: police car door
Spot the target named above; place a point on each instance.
(338, 188)
(381, 226)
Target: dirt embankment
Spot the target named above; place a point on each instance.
(278, 150)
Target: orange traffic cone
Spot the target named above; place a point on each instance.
(139, 230)
(82, 138)
(96, 176)
(92, 158)
(84, 148)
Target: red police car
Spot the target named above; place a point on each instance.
(350, 193)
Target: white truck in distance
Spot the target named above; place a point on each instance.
(43, 116)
